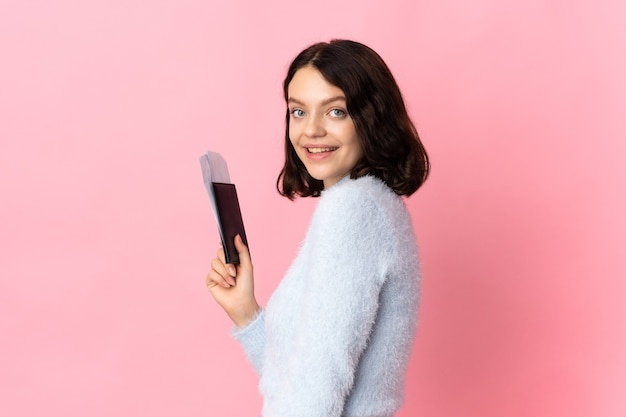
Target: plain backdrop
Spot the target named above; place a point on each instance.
(106, 232)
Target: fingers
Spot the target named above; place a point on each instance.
(230, 269)
(224, 274)
(244, 253)
(219, 274)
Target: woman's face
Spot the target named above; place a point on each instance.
(320, 128)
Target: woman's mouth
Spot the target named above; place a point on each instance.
(321, 150)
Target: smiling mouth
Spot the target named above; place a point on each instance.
(320, 150)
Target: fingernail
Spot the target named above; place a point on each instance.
(231, 281)
(232, 271)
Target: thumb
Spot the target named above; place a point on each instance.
(244, 253)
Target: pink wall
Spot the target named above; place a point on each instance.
(106, 232)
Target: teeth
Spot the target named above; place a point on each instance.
(320, 150)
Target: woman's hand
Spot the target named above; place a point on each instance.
(233, 286)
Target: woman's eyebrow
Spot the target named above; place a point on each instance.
(323, 103)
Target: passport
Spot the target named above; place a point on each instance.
(224, 202)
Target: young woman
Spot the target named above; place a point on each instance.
(335, 337)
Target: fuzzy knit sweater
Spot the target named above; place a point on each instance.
(336, 335)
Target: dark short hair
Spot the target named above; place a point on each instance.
(392, 150)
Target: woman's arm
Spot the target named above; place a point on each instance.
(346, 249)
(233, 288)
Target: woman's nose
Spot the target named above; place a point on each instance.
(315, 127)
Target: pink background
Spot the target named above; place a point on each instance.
(106, 232)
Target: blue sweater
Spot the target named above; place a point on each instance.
(336, 335)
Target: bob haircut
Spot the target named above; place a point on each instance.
(392, 150)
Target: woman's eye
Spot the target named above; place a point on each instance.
(297, 113)
(337, 113)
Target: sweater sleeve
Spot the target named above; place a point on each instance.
(252, 339)
(343, 279)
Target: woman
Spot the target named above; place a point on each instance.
(335, 337)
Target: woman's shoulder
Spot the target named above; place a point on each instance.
(362, 192)
(367, 209)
